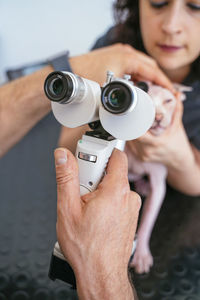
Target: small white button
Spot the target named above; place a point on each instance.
(88, 157)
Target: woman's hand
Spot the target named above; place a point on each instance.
(120, 59)
(174, 150)
(169, 148)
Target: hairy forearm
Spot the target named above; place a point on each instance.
(97, 284)
(185, 174)
(22, 104)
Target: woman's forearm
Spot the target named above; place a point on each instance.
(22, 104)
(184, 175)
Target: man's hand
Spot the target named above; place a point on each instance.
(96, 231)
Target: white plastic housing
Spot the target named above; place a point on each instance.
(92, 172)
(92, 155)
(133, 124)
(127, 126)
(79, 113)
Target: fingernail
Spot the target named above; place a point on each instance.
(60, 157)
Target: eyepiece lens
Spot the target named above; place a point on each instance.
(56, 86)
(116, 97)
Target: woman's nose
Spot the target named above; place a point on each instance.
(172, 21)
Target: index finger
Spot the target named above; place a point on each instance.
(117, 171)
(151, 73)
(146, 138)
(178, 113)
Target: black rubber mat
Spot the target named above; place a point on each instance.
(28, 217)
(27, 230)
(175, 245)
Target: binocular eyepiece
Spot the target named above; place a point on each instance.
(63, 87)
(117, 97)
(124, 110)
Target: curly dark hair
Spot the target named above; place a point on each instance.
(126, 14)
(127, 30)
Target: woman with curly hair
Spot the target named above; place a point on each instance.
(167, 31)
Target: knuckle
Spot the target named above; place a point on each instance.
(63, 179)
(145, 157)
(118, 46)
(122, 187)
(127, 47)
(136, 201)
(124, 158)
(123, 47)
(154, 62)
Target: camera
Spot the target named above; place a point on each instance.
(117, 112)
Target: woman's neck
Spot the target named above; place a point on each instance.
(178, 75)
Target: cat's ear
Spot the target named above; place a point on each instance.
(182, 89)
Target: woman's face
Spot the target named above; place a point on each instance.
(171, 33)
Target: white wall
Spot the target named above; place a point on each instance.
(32, 30)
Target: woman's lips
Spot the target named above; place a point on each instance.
(170, 48)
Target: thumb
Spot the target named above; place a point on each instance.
(68, 191)
(178, 113)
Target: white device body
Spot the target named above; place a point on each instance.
(135, 122)
(88, 108)
(81, 111)
(93, 153)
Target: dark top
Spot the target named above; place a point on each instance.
(191, 115)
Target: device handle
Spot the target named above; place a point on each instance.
(92, 154)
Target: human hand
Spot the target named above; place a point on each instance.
(121, 59)
(169, 148)
(96, 231)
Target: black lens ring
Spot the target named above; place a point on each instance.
(143, 86)
(106, 91)
(67, 90)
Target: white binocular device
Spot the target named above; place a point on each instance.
(117, 112)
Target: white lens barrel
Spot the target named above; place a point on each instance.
(86, 107)
(79, 88)
(132, 124)
(83, 111)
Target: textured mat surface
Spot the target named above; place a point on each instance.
(175, 245)
(28, 217)
(27, 230)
